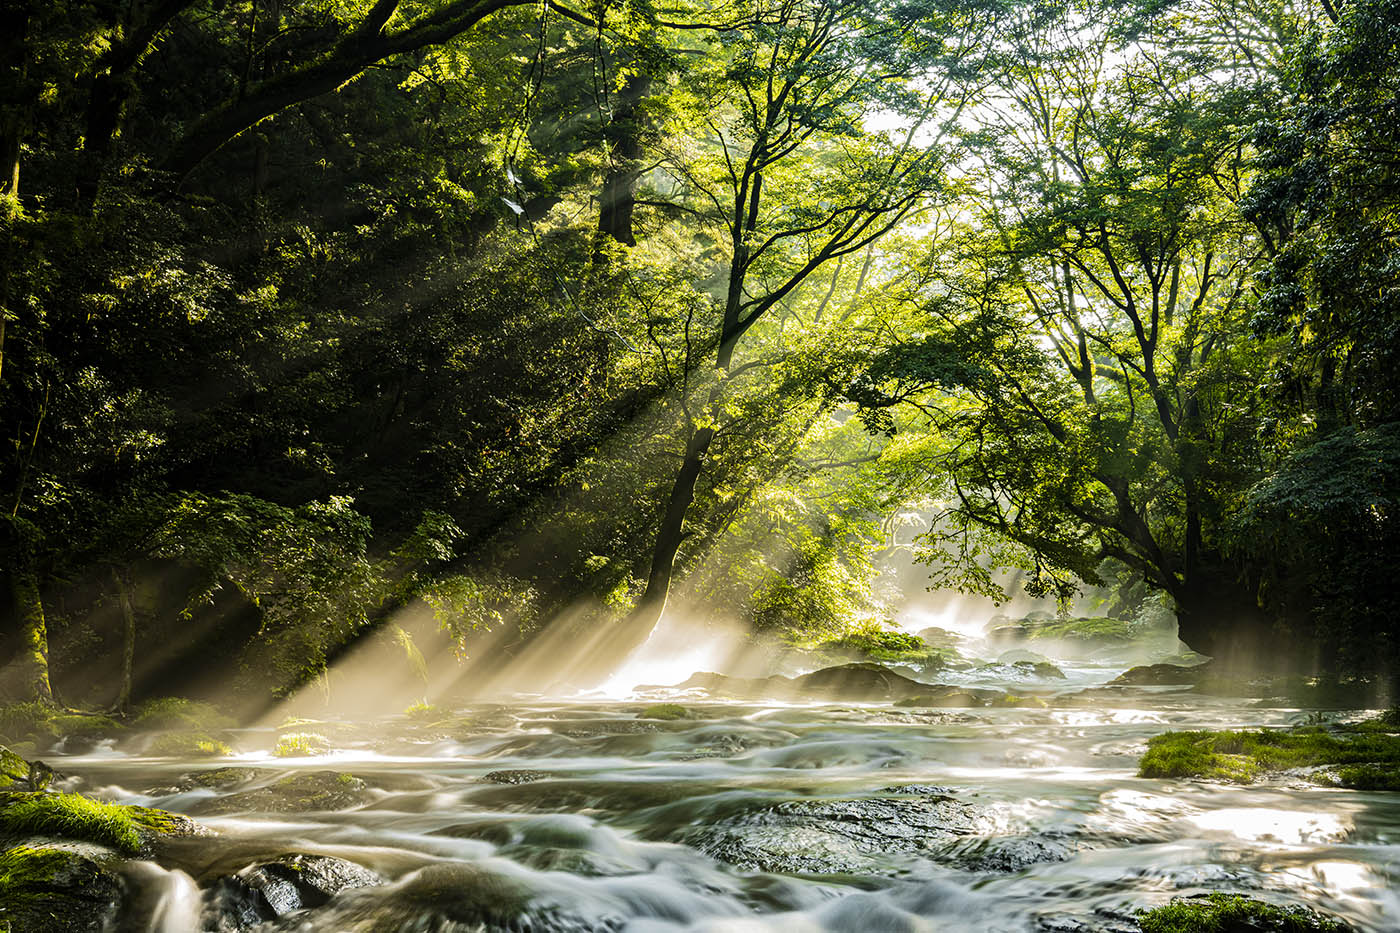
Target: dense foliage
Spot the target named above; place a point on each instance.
(554, 315)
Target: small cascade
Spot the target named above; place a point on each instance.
(169, 899)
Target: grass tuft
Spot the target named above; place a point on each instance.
(71, 817)
(299, 744)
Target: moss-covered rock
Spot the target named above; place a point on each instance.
(19, 774)
(178, 713)
(192, 744)
(219, 778)
(128, 829)
(56, 889)
(1076, 634)
(1234, 913)
(667, 711)
(296, 793)
(1363, 758)
(42, 725)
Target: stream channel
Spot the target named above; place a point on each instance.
(577, 815)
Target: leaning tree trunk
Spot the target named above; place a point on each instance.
(643, 618)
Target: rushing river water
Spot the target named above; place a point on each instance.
(779, 817)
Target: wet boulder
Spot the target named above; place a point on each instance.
(269, 890)
(946, 696)
(303, 792)
(18, 774)
(830, 836)
(1152, 675)
(488, 894)
(859, 681)
(1008, 853)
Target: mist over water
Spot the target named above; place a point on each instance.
(576, 813)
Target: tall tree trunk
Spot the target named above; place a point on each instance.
(16, 100)
(123, 586)
(624, 135)
(105, 100)
(31, 666)
(1218, 615)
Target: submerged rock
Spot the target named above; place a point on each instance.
(853, 835)
(297, 793)
(516, 776)
(220, 778)
(274, 889)
(860, 681)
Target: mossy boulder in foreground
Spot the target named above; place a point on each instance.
(47, 888)
(62, 853)
(1234, 913)
(126, 829)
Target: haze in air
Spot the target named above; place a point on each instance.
(713, 465)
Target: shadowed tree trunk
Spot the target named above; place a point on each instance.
(29, 671)
(123, 586)
(16, 101)
(624, 136)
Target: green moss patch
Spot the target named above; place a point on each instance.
(666, 711)
(1095, 628)
(45, 888)
(870, 642)
(42, 725)
(26, 867)
(1368, 758)
(1228, 913)
(188, 745)
(179, 713)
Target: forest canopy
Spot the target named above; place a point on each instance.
(554, 314)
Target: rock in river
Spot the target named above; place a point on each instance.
(297, 793)
(274, 889)
(848, 835)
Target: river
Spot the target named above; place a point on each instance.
(784, 817)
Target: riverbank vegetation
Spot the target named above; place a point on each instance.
(1364, 755)
(325, 324)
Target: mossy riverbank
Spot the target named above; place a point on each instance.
(1363, 756)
